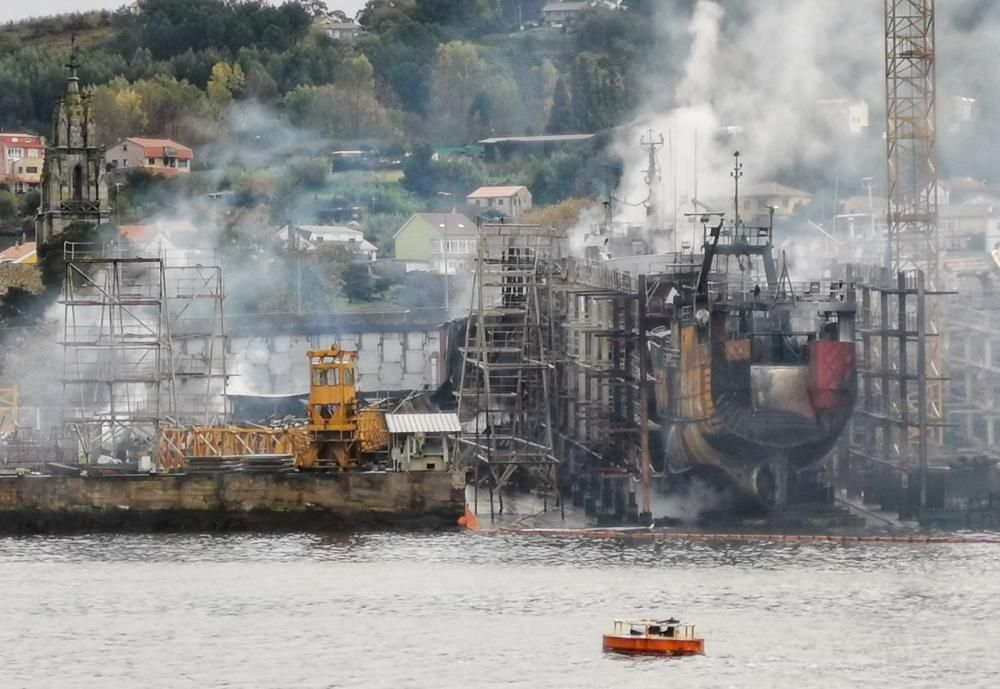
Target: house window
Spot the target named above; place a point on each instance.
(124, 162)
(150, 161)
(31, 170)
(15, 152)
(32, 152)
(184, 164)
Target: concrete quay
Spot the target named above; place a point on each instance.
(231, 502)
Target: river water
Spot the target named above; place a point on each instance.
(471, 610)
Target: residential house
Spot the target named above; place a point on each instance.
(968, 226)
(22, 252)
(312, 237)
(757, 199)
(446, 242)
(959, 190)
(562, 12)
(159, 156)
(508, 201)
(150, 241)
(844, 115)
(21, 159)
(347, 32)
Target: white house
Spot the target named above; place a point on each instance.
(311, 237)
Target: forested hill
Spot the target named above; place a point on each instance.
(443, 72)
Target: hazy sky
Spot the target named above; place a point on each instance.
(12, 9)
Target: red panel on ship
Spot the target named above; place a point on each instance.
(831, 365)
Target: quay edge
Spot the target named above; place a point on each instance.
(231, 502)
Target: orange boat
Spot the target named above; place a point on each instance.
(653, 637)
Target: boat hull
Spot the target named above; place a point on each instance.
(644, 645)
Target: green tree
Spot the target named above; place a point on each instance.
(358, 283)
(561, 121)
(227, 82)
(458, 76)
(8, 205)
(118, 111)
(601, 96)
(417, 176)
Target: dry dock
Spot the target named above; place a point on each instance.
(231, 502)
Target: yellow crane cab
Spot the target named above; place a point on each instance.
(333, 409)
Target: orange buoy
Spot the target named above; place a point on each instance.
(654, 637)
(468, 520)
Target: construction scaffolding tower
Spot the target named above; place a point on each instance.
(893, 426)
(505, 396)
(115, 347)
(195, 296)
(913, 201)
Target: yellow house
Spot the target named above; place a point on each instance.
(756, 199)
(444, 241)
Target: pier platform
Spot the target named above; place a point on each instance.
(231, 502)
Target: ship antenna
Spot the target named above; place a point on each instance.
(736, 174)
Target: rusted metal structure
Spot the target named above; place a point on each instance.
(335, 435)
(901, 420)
(505, 384)
(911, 139)
(652, 370)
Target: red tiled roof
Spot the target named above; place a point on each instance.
(153, 148)
(23, 140)
(26, 277)
(16, 254)
(139, 234)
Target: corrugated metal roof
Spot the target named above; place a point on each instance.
(423, 423)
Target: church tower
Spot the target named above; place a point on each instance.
(74, 185)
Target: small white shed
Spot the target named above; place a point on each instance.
(422, 442)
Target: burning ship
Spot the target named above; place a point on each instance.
(609, 376)
(753, 376)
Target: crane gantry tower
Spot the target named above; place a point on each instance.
(911, 371)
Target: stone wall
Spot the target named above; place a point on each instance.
(230, 502)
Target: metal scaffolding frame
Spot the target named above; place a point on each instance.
(144, 344)
(911, 141)
(115, 342)
(893, 427)
(195, 296)
(505, 393)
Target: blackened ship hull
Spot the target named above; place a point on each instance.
(761, 424)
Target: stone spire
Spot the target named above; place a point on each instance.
(74, 184)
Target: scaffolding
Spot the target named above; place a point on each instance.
(505, 396)
(893, 427)
(195, 294)
(911, 140)
(143, 345)
(115, 344)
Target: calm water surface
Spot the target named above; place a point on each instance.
(466, 610)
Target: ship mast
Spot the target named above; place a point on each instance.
(652, 144)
